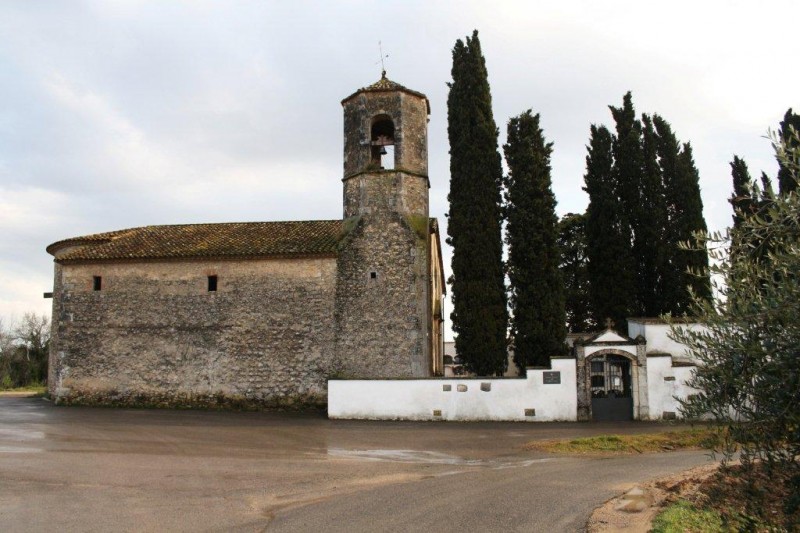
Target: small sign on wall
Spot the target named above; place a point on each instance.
(551, 378)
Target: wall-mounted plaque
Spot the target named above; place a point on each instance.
(551, 378)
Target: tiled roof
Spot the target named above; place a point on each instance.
(386, 85)
(236, 239)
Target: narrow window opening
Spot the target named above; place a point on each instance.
(212, 283)
(382, 141)
(373, 275)
(97, 283)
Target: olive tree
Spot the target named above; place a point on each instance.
(748, 376)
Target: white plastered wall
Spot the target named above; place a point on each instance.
(666, 383)
(657, 337)
(428, 399)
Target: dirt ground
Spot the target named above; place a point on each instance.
(611, 517)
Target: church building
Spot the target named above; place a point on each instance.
(264, 313)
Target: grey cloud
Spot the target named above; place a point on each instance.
(125, 114)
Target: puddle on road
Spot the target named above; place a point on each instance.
(20, 434)
(427, 457)
(19, 449)
(402, 456)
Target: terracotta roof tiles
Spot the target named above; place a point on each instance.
(386, 85)
(236, 239)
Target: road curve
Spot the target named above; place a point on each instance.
(83, 469)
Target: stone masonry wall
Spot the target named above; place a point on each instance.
(409, 113)
(382, 294)
(398, 191)
(155, 335)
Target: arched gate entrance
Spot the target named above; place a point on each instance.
(610, 385)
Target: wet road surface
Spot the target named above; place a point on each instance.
(95, 469)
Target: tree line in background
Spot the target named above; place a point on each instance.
(24, 349)
(644, 199)
(748, 198)
(619, 259)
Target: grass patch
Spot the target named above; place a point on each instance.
(628, 444)
(35, 389)
(682, 516)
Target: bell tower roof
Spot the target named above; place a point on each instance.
(386, 85)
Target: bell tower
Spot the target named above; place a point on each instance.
(383, 293)
(386, 140)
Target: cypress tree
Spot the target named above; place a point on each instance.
(786, 180)
(479, 314)
(668, 147)
(689, 221)
(767, 193)
(644, 199)
(537, 291)
(608, 248)
(746, 201)
(686, 269)
(742, 199)
(651, 227)
(572, 245)
(627, 180)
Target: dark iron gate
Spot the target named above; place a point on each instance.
(610, 377)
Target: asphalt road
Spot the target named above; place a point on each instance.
(85, 469)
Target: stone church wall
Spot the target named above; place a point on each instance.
(386, 189)
(382, 316)
(155, 335)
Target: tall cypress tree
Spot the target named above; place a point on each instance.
(767, 193)
(627, 177)
(745, 200)
(628, 159)
(572, 245)
(608, 246)
(537, 291)
(786, 180)
(685, 216)
(650, 247)
(479, 316)
(668, 149)
(688, 221)
(742, 199)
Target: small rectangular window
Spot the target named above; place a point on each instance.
(97, 283)
(212, 283)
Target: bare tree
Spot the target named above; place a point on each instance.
(24, 351)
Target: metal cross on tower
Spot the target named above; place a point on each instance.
(381, 58)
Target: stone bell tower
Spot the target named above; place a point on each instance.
(383, 292)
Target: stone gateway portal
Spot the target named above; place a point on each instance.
(610, 377)
(263, 313)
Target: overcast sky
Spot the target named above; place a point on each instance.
(119, 114)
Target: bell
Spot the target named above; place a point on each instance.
(383, 150)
